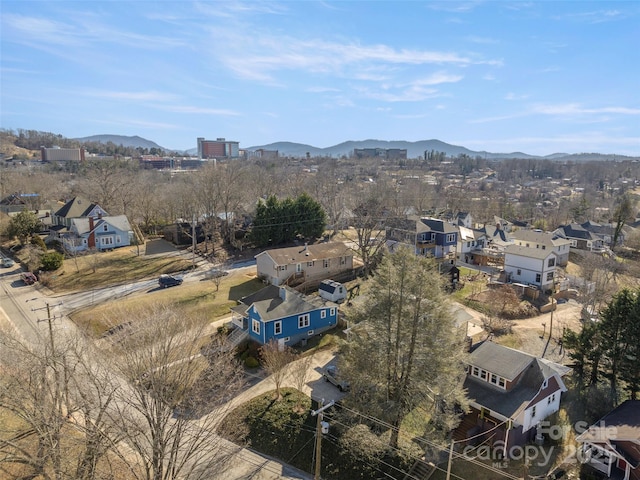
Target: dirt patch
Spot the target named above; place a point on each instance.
(533, 333)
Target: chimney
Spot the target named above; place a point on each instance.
(92, 237)
(283, 293)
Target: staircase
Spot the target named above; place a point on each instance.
(235, 337)
(421, 470)
(467, 428)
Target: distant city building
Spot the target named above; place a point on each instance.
(219, 148)
(262, 153)
(57, 154)
(384, 153)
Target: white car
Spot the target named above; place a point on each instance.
(7, 262)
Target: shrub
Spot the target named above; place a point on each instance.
(251, 362)
(38, 242)
(51, 261)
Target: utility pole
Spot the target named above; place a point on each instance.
(319, 428)
(449, 462)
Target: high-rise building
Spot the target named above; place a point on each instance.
(57, 154)
(219, 148)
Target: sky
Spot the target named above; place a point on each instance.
(500, 76)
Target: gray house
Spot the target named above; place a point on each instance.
(103, 233)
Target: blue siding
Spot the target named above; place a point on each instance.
(290, 328)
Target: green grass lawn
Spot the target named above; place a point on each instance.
(195, 299)
(120, 266)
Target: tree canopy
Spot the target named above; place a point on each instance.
(281, 221)
(23, 225)
(611, 347)
(405, 351)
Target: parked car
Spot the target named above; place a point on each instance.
(7, 262)
(28, 278)
(166, 280)
(330, 374)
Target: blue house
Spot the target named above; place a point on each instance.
(427, 236)
(283, 314)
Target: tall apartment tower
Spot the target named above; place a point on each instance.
(219, 148)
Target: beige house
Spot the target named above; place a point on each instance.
(308, 264)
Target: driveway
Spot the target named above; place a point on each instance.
(159, 245)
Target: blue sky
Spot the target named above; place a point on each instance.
(537, 77)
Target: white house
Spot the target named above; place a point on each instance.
(544, 241)
(612, 445)
(510, 393)
(103, 233)
(531, 266)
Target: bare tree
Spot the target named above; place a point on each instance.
(178, 387)
(299, 371)
(275, 360)
(53, 400)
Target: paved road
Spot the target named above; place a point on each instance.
(25, 309)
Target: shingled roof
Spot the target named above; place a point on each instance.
(308, 253)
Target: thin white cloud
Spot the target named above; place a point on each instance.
(322, 89)
(577, 109)
(483, 40)
(512, 96)
(201, 110)
(259, 57)
(595, 16)
(141, 96)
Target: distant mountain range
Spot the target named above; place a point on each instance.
(414, 149)
(123, 140)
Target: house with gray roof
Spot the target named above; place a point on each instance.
(510, 393)
(103, 233)
(530, 266)
(581, 238)
(612, 445)
(284, 315)
(305, 265)
(544, 241)
(425, 236)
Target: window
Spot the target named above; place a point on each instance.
(106, 241)
(303, 321)
(105, 227)
(451, 237)
(332, 312)
(298, 267)
(286, 339)
(476, 372)
(533, 411)
(550, 276)
(501, 382)
(494, 379)
(277, 327)
(433, 237)
(310, 264)
(551, 262)
(483, 374)
(538, 277)
(544, 247)
(343, 260)
(282, 268)
(518, 272)
(325, 263)
(310, 332)
(255, 326)
(323, 314)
